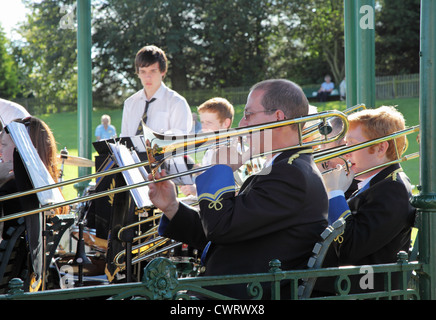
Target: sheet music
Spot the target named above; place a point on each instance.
(138, 142)
(39, 175)
(175, 166)
(136, 159)
(124, 157)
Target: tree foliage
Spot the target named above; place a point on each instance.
(397, 37)
(209, 43)
(310, 40)
(9, 82)
(235, 38)
(123, 27)
(48, 56)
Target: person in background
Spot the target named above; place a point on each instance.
(163, 110)
(105, 130)
(196, 124)
(215, 114)
(326, 89)
(343, 89)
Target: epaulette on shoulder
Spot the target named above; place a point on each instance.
(297, 154)
(394, 174)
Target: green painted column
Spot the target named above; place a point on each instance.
(350, 18)
(365, 52)
(84, 102)
(425, 202)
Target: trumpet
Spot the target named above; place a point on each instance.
(161, 147)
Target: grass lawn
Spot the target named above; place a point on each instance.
(64, 126)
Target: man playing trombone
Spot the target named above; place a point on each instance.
(379, 217)
(274, 215)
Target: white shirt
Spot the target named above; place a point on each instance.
(363, 183)
(10, 111)
(169, 113)
(207, 157)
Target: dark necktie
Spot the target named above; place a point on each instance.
(144, 117)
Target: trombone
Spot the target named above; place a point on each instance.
(161, 147)
(325, 128)
(319, 156)
(324, 155)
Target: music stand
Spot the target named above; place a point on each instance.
(118, 151)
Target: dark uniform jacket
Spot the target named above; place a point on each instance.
(381, 220)
(278, 214)
(378, 225)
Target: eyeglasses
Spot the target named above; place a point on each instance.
(247, 115)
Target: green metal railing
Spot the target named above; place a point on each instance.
(161, 282)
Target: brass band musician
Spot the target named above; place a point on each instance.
(379, 216)
(272, 217)
(18, 180)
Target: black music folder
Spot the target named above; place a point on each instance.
(136, 143)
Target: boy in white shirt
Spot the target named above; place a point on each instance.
(162, 109)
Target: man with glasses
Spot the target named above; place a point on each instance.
(277, 214)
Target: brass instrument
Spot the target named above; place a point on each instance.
(161, 147)
(321, 127)
(328, 154)
(311, 130)
(324, 155)
(324, 127)
(144, 250)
